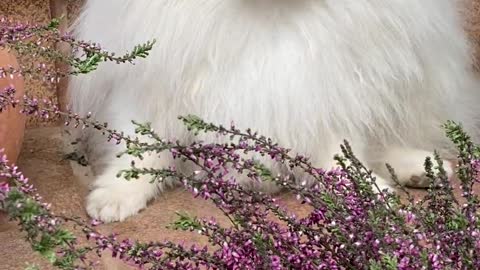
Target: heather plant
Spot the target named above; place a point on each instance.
(350, 224)
(37, 41)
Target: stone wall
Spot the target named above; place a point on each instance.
(471, 13)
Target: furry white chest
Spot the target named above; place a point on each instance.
(322, 67)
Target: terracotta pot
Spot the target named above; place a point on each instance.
(12, 123)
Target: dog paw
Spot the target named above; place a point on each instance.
(110, 204)
(418, 178)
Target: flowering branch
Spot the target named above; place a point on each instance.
(34, 40)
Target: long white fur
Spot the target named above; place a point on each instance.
(383, 74)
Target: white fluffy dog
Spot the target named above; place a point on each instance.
(383, 74)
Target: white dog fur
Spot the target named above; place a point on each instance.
(383, 74)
